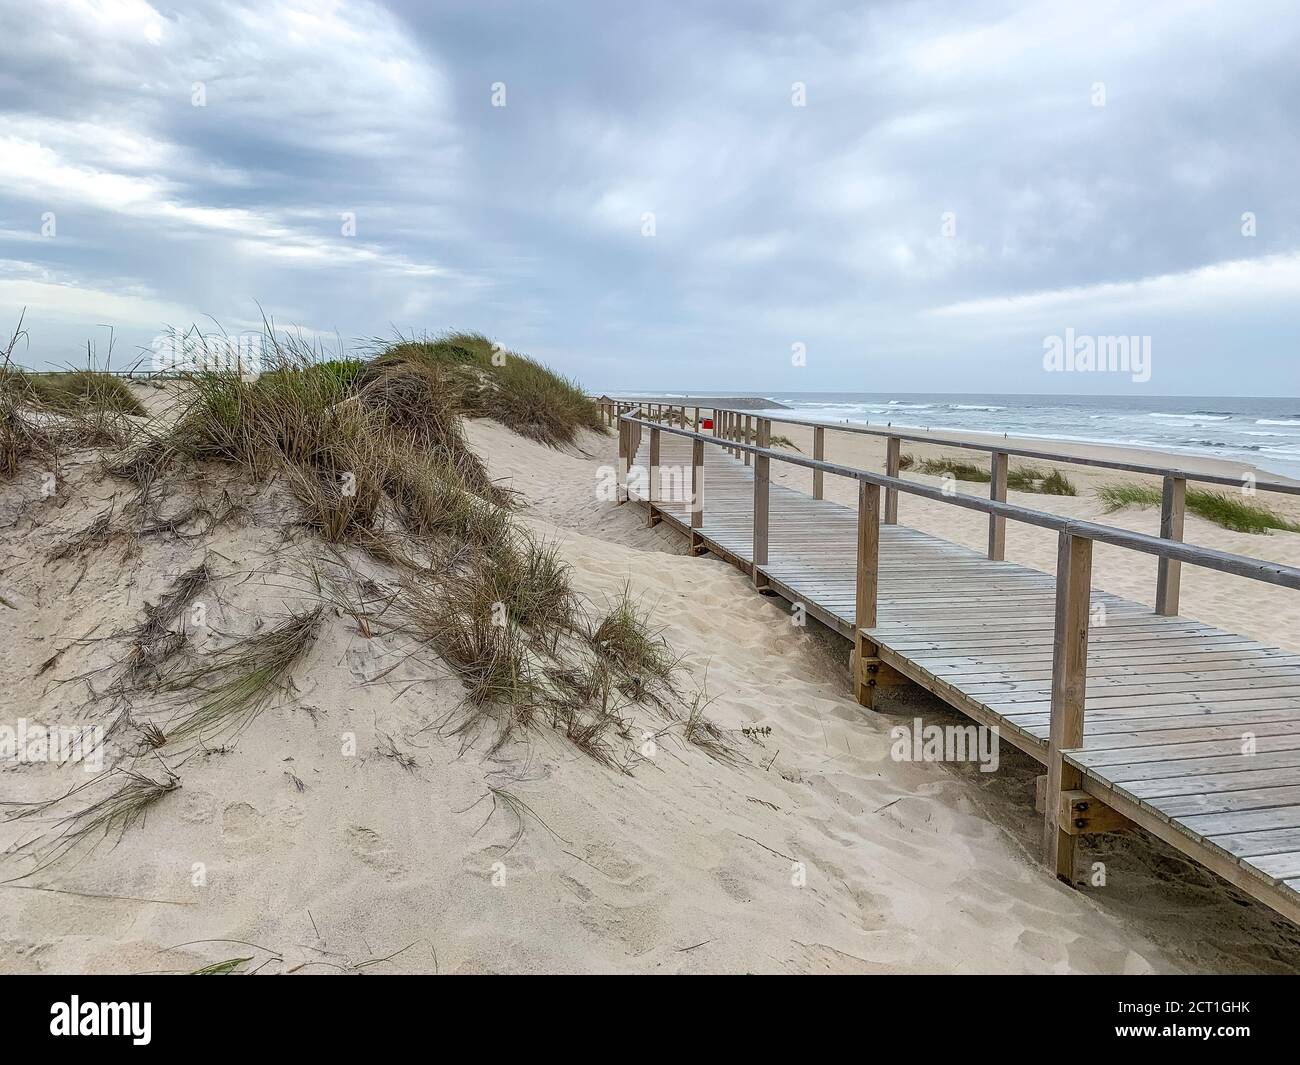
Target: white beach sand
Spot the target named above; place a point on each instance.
(684, 866)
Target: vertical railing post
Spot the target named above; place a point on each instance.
(652, 482)
(1069, 689)
(749, 437)
(697, 419)
(624, 462)
(697, 490)
(819, 452)
(893, 464)
(998, 470)
(1168, 571)
(868, 579)
(762, 480)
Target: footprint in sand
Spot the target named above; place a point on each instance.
(199, 807)
(733, 885)
(369, 846)
(243, 829)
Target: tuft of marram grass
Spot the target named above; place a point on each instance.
(624, 637)
(79, 391)
(236, 683)
(460, 620)
(1035, 479)
(1057, 484)
(491, 382)
(1219, 507)
(115, 813)
(698, 730)
(963, 471)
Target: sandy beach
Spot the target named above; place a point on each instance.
(808, 850)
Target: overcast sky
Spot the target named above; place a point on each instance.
(673, 195)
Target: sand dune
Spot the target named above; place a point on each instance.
(811, 851)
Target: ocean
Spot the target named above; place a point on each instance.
(1259, 431)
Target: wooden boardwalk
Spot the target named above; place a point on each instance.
(1189, 731)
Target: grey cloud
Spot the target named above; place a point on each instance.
(774, 223)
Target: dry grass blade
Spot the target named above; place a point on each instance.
(154, 641)
(241, 680)
(101, 532)
(698, 730)
(117, 812)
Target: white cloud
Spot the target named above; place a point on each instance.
(1222, 285)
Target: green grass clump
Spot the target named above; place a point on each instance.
(1057, 484)
(624, 637)
(1221, 508)
(1020, 478)
(1034, 479)
(963, 471)
(517, 391)
(78, 391)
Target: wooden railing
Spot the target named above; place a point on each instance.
(739, 426)
(1075, 539)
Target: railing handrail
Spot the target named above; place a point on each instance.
(1207, 558)
(1019, 452)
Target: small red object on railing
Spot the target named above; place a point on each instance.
(706, 423)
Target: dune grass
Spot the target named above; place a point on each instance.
(491, 382)
(237, 682)
(76, 391)
(1020, 478)
(114, 813)
(1034, 479)
(1231, 512)
(624, 637)
(963, 471)
(376, 455)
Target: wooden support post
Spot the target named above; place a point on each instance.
(697, 493)
(624, 462)
(868, 578)
(697, 419)
(893, 462)
(762, 479)
(749, 438)
(1069, 686)
(652, 483)
(819, 452)
(998, 470)
(1169, 572)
